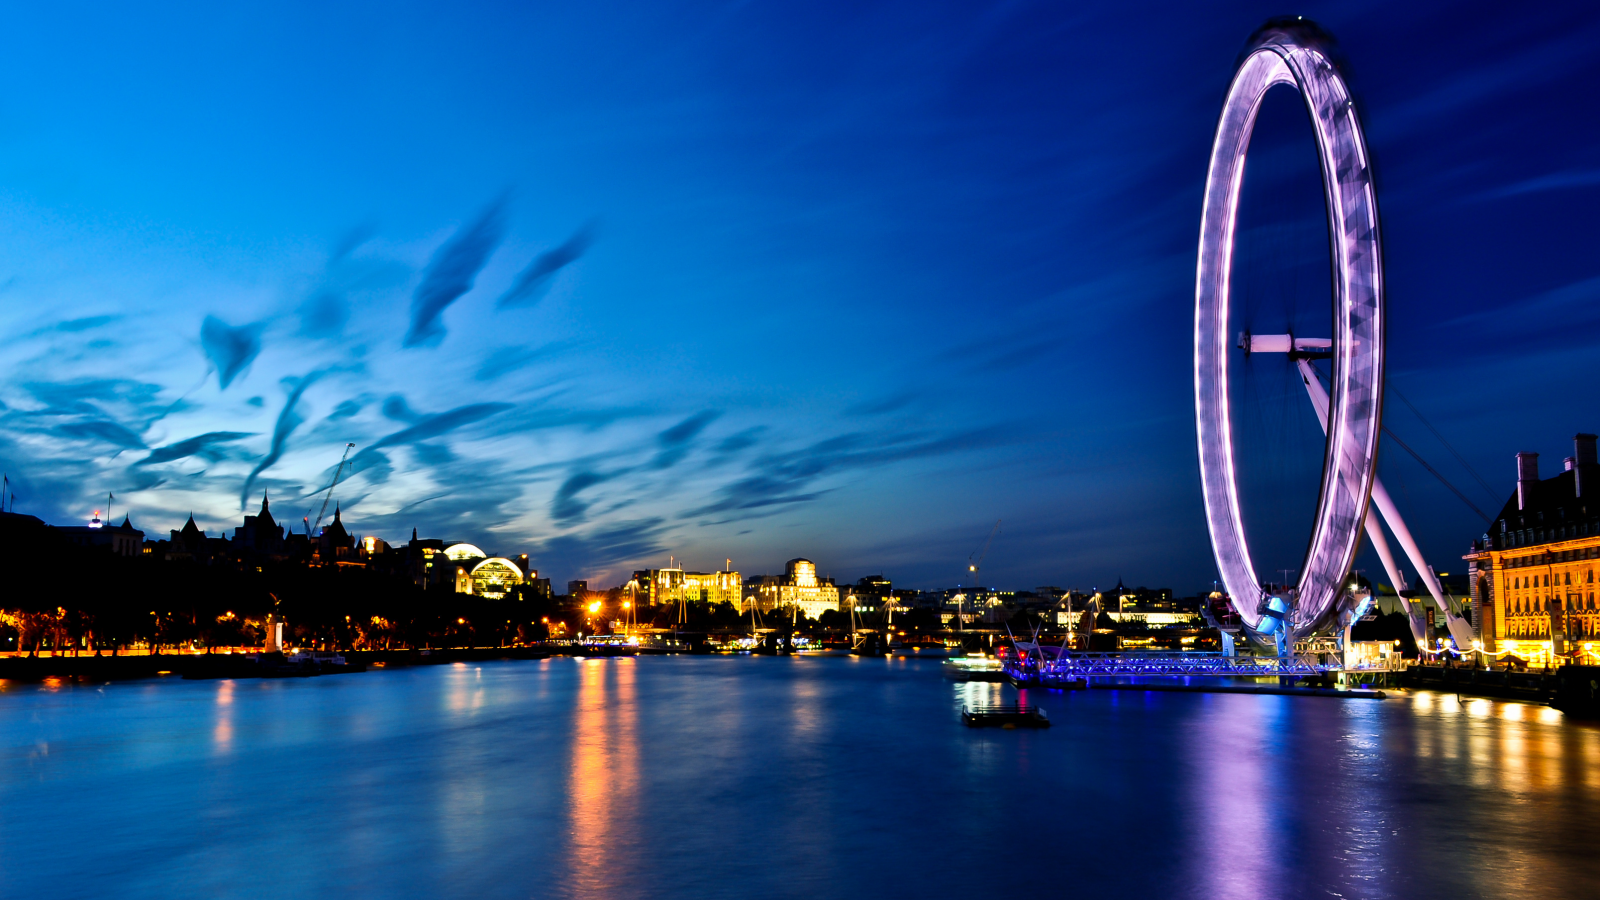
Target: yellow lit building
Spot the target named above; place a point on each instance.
(495, 577)
(476, 572)
(1533, 573)
(800, 587)
(661, 587)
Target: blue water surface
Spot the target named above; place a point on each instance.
(694, 777)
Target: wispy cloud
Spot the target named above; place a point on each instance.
(201, 445)
(566, 506)
(676, 441)
(452, 272)
(289, 419)
(101, 430)
(786, 479)
(1556, 181)
(534, 281)
(230, 349)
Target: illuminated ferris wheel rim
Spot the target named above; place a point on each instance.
(1293, 53)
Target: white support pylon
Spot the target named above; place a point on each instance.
(1455, 619)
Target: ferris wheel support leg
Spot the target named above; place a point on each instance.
(1460, 628)
(1380, 544)
(1414, 616)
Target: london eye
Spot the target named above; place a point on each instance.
(1321, 597)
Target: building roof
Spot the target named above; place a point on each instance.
(264, 518)
(1546, 508)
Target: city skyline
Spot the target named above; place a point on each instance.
(725, 283)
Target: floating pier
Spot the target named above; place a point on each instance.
(1004, 717)
(1351, 694)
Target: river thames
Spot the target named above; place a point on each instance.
(813, 777)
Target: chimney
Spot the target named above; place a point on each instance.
(1583, 455)
(1568, 463)
(1527, 474)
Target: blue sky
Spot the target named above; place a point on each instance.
(608, 282)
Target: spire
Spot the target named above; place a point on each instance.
(127, 524)
(263, 503)
(413, 535)
(336, 512)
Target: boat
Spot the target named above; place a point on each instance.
(326, 662)
(251, 665)
(973, 668)
(923, 651)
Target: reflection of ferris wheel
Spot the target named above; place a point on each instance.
(1294, 53)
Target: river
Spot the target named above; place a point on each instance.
(695, 777)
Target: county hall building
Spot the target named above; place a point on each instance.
(1533, 572)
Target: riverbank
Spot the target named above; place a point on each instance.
(121, 667)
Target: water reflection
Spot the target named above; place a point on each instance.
(603, 777)
(222, 731)
(705, 778)
(1234, 834)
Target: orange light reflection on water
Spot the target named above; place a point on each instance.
(603, 783)
(222, 733)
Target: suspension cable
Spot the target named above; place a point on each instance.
(1435, 473)
(1459, 458)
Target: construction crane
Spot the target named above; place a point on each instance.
(975, 560)
(974, 563)
(329, 495)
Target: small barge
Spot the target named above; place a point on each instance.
(1004, 717)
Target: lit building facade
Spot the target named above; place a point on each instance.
(1532, 575)
(495, 577)
(799, 586)
(466, 569)
(669, 586)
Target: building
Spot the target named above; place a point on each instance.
(191, 543)
(661, 587)
(1532, 574)
(873, 593)
(335, 544)
(424, 561)
(121, 540)
(495, 577)
(473, 571)
(1153, 608)
(798, 586)
(260, 534)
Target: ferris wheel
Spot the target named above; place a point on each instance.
(1294, 53)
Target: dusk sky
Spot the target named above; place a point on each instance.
(604, 282)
